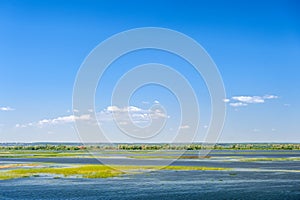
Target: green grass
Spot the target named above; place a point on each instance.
(85, 171)
(7, 176)
(92, 171)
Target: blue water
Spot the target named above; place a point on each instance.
(159, 185)
(248, 180)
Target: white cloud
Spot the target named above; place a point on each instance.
(239, 101)
(184, 127)
(249, 99)
(270, 96)
(133, 109)
(21, 125)
(226, 100)
(156, 102)
(6, 108)
(64, 119)
(112, 109)
(238, 104)
(55, 121)
(136, 114)
(126, 109)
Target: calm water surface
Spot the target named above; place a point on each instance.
(248, 180)
(159, 185)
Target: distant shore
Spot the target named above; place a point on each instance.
(152, 147)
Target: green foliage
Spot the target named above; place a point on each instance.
(85, 171)
(91, 171)
(150, 147)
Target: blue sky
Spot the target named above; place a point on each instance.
(255, 44)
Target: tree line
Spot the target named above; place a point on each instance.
(133, 147)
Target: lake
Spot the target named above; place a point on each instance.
(247, 180)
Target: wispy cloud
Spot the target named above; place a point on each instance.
(137, 115)
(184, 127)
(125, 109)
(238, 101)
(63, 119)
(270, 96)
(249, 99)
(238, 104)
(6, 108)
(55, 121)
